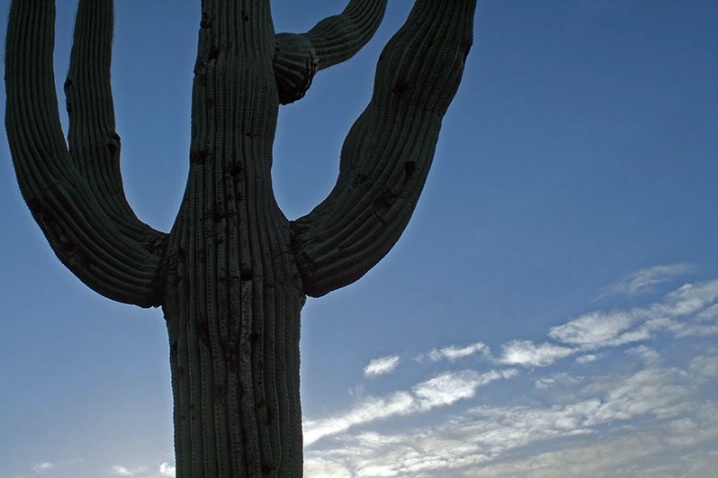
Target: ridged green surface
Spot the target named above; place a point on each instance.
(76, 196)
(233, 273)
(234, 302)
(297, 58)
(388, 152)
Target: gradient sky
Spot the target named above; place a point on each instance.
(551, 311)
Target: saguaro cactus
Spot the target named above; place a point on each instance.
(233, 273)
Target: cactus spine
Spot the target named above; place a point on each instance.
(233, 273)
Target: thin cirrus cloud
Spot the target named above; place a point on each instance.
(602, 329)
(594, 330)
(439, 391)
(124, 471)
(454, 353)
(635, 402)
(381, 366)
(528, 354)
(477, 442)
(646, 280)
(165, 470)
(43, 467)
(687, 311)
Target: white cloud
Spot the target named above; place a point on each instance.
(690, 310)
(167, 469)
(687, 300)
(660, 392)
(640, 417)
(528, 354)
(646, 453)
(709, 314)
(124, 471)
(587, 358)
(55, 468)
(556, 380)
(316, 466)
(593, 330)
(121, 471)
(451, 387)
(705, 367)
(381, 366)
(647, 354)
(440, 391)
(485, 441)
(370, 409)
(646, 280)
(453, 353)
(43, 467)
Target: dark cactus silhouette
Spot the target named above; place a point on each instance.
(233, 273)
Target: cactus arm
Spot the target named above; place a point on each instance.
(115, 255)
(333, 40)
(94, 143)
(340, 37)
(387, 154)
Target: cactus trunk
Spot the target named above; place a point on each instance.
(233, 296)
(232, 313)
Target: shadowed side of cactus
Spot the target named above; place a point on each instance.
(233, 273)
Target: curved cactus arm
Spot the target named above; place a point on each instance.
(340, 37)
(388, 152)
(333, 40)
(94, 143)
(75, 199)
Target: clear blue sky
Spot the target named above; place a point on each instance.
(551, 311)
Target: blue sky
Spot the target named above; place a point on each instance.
(552, 309)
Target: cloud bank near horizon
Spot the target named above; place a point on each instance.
(619, 392)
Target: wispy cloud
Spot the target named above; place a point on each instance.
(645, 353)
(646, 280)
(705, 367)
(43, 467)
(439, 391)
(528, 354)
(687, 311)
(55, 468)
(381, 366)
(370, 409)
(454, 353)
(623, 421)
(124, 471)
(555, 380)
(450, 387)
(594, 330)
(472, 443)
(121, 471)
(167, 469)
(163, 470)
